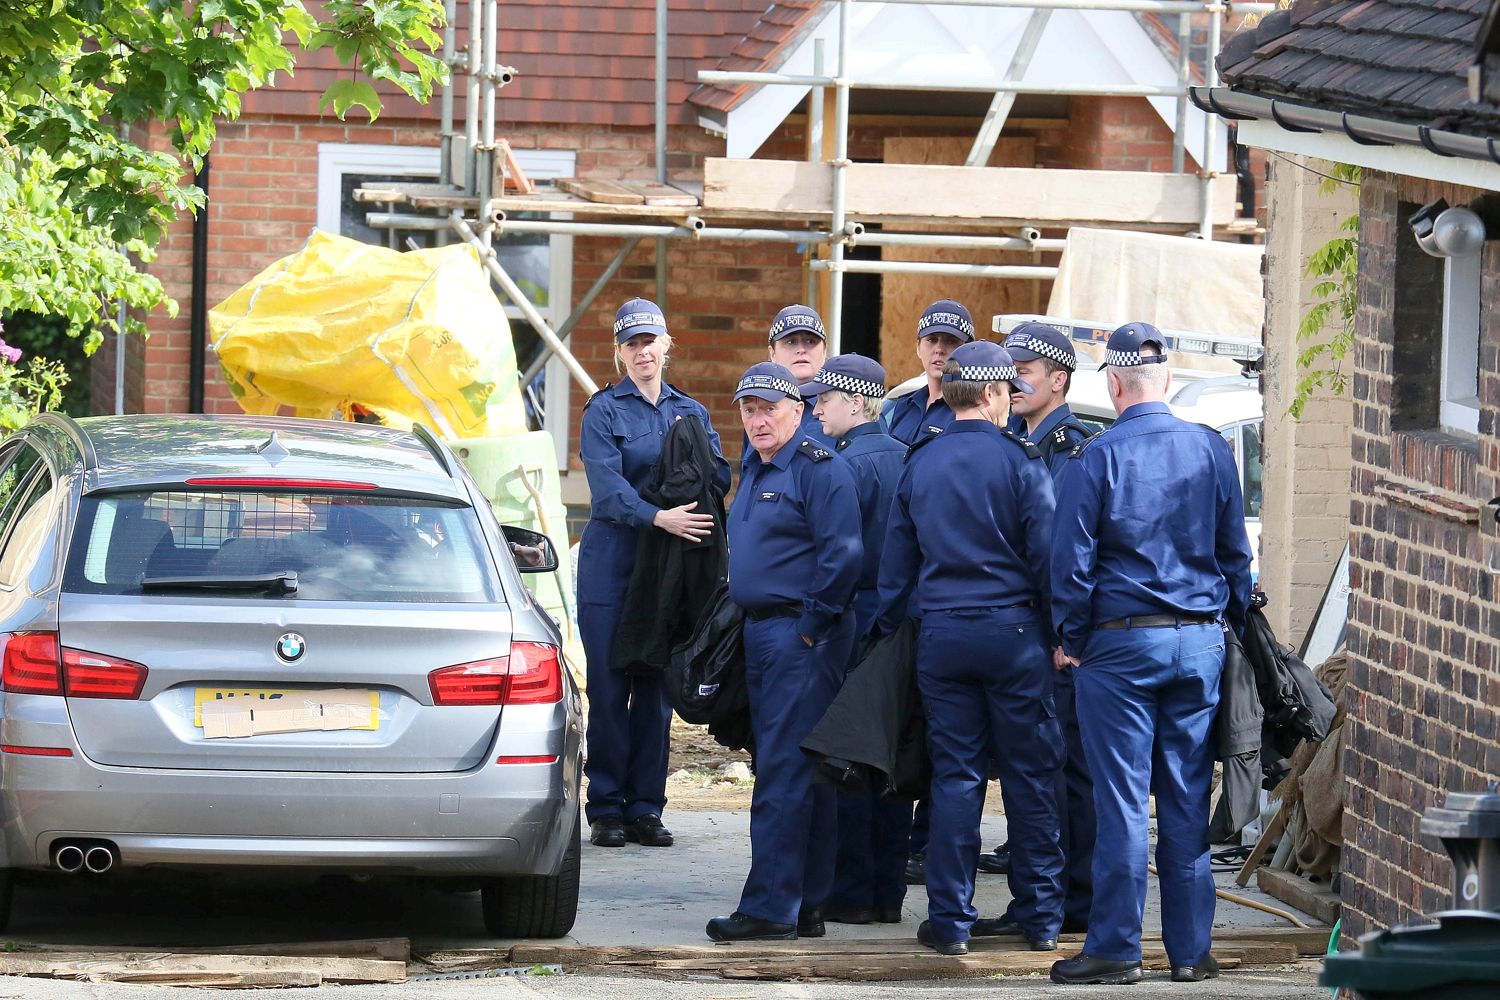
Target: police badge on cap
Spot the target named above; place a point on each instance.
(797, 319)
(639, 316)
(1031, 341)
(946, 316)
(1123, 349)
(769, 381)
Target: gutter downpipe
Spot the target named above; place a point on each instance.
(661, 141)
(198, 322)
(1210, 128)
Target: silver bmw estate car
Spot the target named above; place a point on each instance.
(248, 641)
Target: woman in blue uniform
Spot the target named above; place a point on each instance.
(621, 438)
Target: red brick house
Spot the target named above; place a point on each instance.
(1408, 90)
(582, 105)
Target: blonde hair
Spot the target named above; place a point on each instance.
(872, 404)
(664, 339)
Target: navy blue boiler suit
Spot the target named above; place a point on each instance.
(910, 419)
(1075, 790)
(872, 829)
(1150, 522)
(629, 717)
(794, 559)
(970, 525)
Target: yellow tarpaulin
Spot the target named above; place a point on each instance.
(415, 336)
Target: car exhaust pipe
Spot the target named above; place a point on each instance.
(99, 860)
(68, 858)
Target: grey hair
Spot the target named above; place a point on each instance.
(1137, 380)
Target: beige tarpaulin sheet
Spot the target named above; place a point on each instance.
(413, 336)
(1172, 282)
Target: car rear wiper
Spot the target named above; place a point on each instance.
(282, 583)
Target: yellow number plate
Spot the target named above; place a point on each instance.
(268, 697)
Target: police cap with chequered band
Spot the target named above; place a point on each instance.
(983, 361)
(946, 316)
(639, 316)
(848, 373)
(1031, 341)
(1123, 349)
(797, 319)
(769, 381)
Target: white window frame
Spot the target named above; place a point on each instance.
(335, 159)
(1458, 371)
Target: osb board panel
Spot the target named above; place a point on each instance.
(904, 296)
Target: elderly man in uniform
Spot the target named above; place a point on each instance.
(969, 530)
(941, 329)
(1150, 555)
(794, 559)
(868, 882)
(1045, 360)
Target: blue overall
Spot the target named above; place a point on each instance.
(1075, 790)
(909, 419)
(968, 534)
(872, 829)
(1150, 522)
(629, 717)
(794, 559)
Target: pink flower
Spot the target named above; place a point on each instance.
(11, 354)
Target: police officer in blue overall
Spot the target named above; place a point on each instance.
(846, 395)
(620, 440)
(794, 559)
(1045, 360)
(799, 344)
(1150, 554)
(969, 527)
(941, 329)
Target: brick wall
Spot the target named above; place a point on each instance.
(1305, 506)
(1424, 629)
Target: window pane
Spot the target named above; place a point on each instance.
(1250, 468)
(352, 213)
(341, 548)
(13, 480)
(29, 527)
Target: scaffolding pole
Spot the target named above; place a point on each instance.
(565, 332)
(947, 86)
(513, 291)
(1022, 272)
(999, 111)
(1210, 133)
(834, 321)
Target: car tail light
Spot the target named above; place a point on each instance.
(36, 751)
(93, 675)
(33, 664)
(530, 675)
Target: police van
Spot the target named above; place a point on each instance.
(1223, 394)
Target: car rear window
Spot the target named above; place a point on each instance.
(341, 547)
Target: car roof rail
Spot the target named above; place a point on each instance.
(433, 445)
(70, 427)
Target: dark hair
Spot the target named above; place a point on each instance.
(966, 395)
(1053, 367)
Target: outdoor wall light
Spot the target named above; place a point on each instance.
(1447, 232)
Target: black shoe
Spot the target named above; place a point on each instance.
(1206, 968)
(607, 832)
(925, 937)
(1043, 944)
(810, 923)
(916, 869)
(1086, 970)
(1002, 926)
(996, 862)
(742, 927)
(889, 915)
(835, 914)
(648, 832)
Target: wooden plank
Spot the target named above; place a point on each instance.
(661, 194)
(604, 192)
(1263, 843)
(333, 970)
(396, 949)
(1309, 897)
(863, 968)
(1015, 194)
(1307, 941)
(209, 978)
(513, 177)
